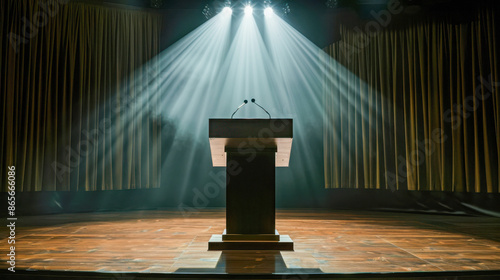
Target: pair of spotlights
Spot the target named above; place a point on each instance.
(249, 10)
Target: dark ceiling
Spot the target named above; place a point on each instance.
(318, 4)
(318, 20)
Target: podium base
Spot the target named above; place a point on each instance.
(250, 242)
(251, 237)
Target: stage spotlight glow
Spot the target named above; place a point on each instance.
(218, 65)
(248, 10)
(227, 11)
(268, 11)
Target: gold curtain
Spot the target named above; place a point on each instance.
(415, 107)
(69, 76)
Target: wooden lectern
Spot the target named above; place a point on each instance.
(250, 149)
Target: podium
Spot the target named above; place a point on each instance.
(250, 149)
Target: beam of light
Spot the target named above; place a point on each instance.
(306, 71)
(186, 98)
(207, 74)
(248, 73)
(169, 94)
(268, 11)
(296, 55)
(248, 10)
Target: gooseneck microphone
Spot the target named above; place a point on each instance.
(253, 100)
(242, 104)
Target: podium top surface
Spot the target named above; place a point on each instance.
(245, 134)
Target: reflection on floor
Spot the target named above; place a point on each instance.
(262, 262)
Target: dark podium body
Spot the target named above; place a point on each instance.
(250, 194)
(251, 149)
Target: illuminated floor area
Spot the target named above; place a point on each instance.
(325, 242)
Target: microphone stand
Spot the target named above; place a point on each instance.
(243, 104)
(253, 100)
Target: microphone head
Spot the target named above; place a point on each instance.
(253, 100)
(245, 101)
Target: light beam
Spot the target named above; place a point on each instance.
(210, 71)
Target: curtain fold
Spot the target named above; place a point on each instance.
(415, 107)
(70, 77)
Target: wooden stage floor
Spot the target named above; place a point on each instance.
(343, 242)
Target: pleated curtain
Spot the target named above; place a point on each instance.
(415, 107)
(69, 80)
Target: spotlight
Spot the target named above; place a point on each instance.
(248, 10)
(268, 11)
(156, 3)
(286, 9)
(227, 11)
(332, 4)
(207, 12)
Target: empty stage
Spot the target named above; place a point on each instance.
(161, 243)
